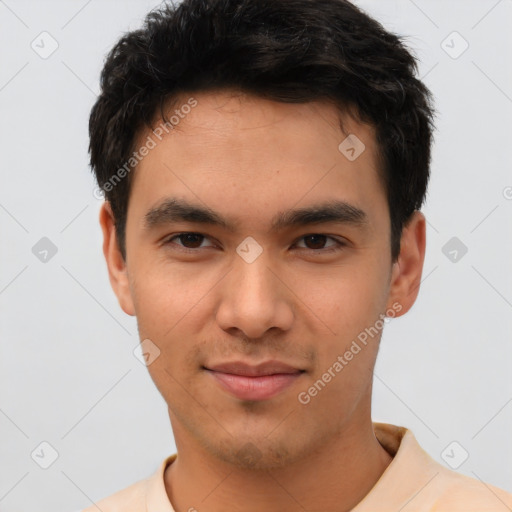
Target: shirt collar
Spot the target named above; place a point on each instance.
(409, 472)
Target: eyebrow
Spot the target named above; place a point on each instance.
(179, 210)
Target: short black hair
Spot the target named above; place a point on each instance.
(293, 51)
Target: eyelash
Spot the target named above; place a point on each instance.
(339, 244)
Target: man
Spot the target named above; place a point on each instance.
(263, 164)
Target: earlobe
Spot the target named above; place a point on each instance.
(117, 270)
(407, 270)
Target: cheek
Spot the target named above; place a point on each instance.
(351, 305)
(347, 299)
(347, 355)
(170, 302)
(164, 295)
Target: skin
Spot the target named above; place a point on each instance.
(247, 159)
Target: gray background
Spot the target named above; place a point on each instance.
(68, 373)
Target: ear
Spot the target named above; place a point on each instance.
(117, 270)
(406, 273)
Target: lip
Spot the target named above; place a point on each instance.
(266, 368)
(256, 383)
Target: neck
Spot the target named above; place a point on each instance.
(335, 478)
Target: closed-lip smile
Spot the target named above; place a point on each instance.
(254, 382)
(270, 367)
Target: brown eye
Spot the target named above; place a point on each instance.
(316, 242)
(191, 240)
(187, 240)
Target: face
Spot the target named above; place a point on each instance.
(290, 262)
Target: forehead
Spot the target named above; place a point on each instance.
(231, 116)
(249, 155)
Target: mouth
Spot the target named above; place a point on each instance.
(255, 383)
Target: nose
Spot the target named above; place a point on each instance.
(254, 299)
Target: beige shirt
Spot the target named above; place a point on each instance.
(413, 481)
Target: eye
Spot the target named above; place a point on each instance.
(189, 241)
(317, 240)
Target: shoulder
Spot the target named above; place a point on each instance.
(461, 493)
(144, 495)
(415, 482)
(130, 499)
